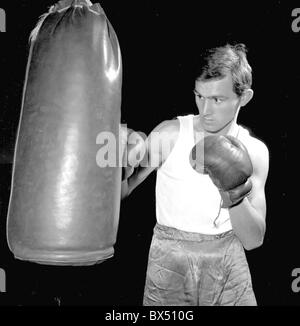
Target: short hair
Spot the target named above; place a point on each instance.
(217, 62)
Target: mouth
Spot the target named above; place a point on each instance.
(207, 119)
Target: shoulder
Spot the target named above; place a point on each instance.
(257, 148)
(259, 154)
(166, 130)
(171, 126)
(162, 140)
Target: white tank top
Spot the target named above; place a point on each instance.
(185, 199)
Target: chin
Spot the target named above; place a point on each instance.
(216, 129)
(212, 130)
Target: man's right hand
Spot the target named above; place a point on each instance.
(133, 150)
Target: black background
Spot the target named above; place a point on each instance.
(160, 43)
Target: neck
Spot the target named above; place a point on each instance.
(229, 129)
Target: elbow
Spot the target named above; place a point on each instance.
(254, 244)
(257, 238)
(124, 190)
(123, 196)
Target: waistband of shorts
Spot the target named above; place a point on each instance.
(175, 234)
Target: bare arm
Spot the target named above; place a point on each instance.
(158, 146)
(248, 218)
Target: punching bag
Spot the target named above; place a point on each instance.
(64, 207)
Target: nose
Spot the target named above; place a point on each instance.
(207, 107)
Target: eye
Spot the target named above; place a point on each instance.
(200, 97)
(218, 100)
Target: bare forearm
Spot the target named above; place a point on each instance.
(131, 182)
(126, 175)
(127, 186)
(248, 224)
(124, 189)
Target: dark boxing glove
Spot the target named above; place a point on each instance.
(133, 150)
(226, 160)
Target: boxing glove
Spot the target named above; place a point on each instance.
(133, 150)
(226, 160)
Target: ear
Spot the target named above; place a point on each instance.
(246, 97)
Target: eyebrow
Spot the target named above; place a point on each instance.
(213, 96)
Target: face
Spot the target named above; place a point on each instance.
(217, 104)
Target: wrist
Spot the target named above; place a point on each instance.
(242, 202)
(237, 203)
(127, 172)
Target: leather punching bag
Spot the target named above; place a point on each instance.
(64, 208)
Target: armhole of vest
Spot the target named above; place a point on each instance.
(191, 128)
(179, 118)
